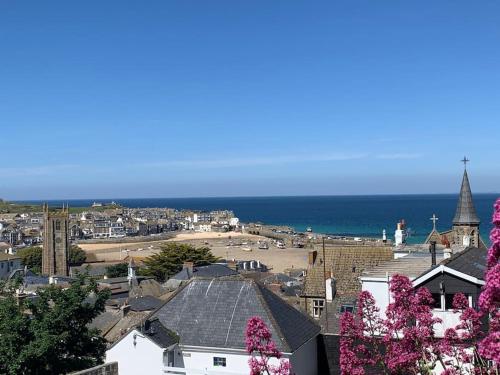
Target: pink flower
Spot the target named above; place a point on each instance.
(259, 342)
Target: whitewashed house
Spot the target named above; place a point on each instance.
(210, 316)
(463, 272)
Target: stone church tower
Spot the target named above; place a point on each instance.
(55, 242)
(466, 222)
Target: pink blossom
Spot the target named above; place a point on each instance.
(260, 345)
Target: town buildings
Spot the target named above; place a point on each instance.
(209, 316)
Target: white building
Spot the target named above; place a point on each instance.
(463, 273)
(210, 316)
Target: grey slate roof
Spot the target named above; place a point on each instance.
(157, 332)
(466, 212)
(278, 278)
(215, 312)
(471, 261)
(144, 303)
(211, 270)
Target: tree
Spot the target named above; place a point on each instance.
(76, 255)
(31, 257)
(172, 256)
(261, 347)
(404, 342)
(117, 270)
(50, 334)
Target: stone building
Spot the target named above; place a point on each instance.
(332, 283)
(55, 242)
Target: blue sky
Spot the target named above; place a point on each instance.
(116, 99)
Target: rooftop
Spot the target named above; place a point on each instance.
(215, 312)
(411, 265)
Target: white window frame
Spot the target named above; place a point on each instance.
(318, 305)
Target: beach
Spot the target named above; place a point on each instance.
(244, 247)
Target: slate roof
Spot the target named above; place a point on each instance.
(146, 303)
(471, 261)
(277, 278)
(215, 312)
(157, 332)
(211, 270)
(466, 212)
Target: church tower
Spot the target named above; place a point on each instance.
(55, 242)
(466, 222)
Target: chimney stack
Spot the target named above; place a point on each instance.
(312, 257)
(433, 252)
(189, 266)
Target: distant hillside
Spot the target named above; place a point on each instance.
(18, 208)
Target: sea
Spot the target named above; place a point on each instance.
(358, 216)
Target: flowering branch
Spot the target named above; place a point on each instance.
(408, 334)
(260, 345)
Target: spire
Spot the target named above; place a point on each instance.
(466, 212)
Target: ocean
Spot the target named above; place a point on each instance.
(340, 215)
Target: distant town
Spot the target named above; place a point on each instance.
(167, 271)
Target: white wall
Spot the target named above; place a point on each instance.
(143, 358)
(449, 320)
(199, 361)
(380, 291)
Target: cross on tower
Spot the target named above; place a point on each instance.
(465, 161)
(434, 218)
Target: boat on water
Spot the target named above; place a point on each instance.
(309, 229)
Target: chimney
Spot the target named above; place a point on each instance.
(189, 266)
(329, 287)
(447, 253)
(124, 310)
(433, 252)
(312, 257)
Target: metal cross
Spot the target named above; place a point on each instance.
(434, 219)
(465, 161)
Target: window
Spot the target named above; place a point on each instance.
(58, 225)
(318, 306)
(448, 300)
(168, 357)
(437, 300)
(219, 362)
(346, 308)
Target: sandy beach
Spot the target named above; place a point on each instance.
(245, 248)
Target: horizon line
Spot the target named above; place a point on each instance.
(243, 196)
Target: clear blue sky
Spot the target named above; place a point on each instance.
(116, 99)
